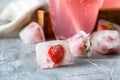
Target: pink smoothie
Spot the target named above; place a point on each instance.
(71, 16)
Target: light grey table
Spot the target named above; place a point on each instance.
(18, 62)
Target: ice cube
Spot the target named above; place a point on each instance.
(106, 41)
(52, 54)
(32, 34)
(78, 44)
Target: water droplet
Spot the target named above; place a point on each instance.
(86, 8)
(81, 1)
(86, 14)
(88, 5)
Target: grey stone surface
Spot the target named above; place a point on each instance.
(18, 62)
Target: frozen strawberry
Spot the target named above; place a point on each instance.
(105, 27)
(106, 41)
(79, 44)
(56, 53)
(110, 39)
(32, 34)
(52, 54)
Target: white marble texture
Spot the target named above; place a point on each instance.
(18, 61)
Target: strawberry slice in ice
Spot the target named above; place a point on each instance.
(56, 53)
(106, 27)
(79, 44)
(32, 34)
(103, 27)
(105, 42)
(52, 54)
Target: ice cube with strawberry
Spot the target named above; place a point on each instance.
(52, 54)
(32, 34)
(107, 25)
(79, 44)
(105, 41)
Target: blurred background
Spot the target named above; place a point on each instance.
(4, 3)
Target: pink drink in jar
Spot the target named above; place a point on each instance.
(71, 16)
(111, 4)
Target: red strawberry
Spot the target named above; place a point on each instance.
(56, 53)
(110, 39)
(104, 27)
